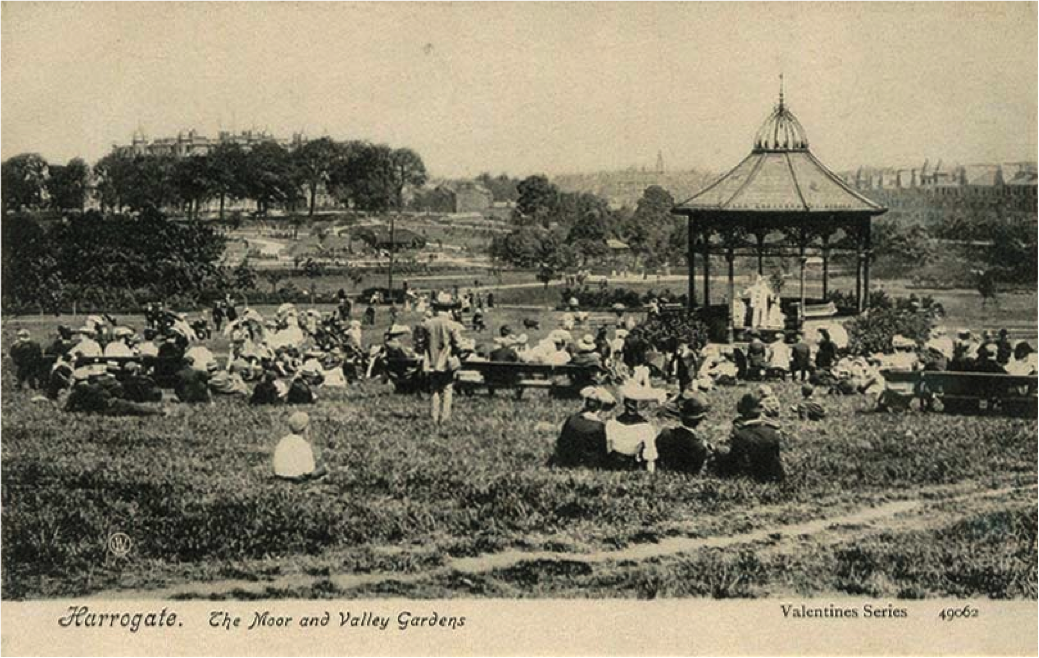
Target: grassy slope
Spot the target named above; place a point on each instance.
(193, 488)
(194, 491)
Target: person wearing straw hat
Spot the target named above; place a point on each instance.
(587, 356)
(441, 361)
(754, 445)
(393, 348)
(631, 440)
(582, 440)
(27, 356)
(301, 390)
(294, 457)
(87, 344)
(119, 345)
(682, 448)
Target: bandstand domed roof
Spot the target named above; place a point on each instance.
(781, 131)
(780, 175)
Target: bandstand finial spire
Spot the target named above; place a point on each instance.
(780, 90)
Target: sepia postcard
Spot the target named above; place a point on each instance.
(506, 328)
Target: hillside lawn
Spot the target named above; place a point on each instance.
(405, 506)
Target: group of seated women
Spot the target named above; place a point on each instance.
(631, 441)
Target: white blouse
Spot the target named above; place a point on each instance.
(626, 439)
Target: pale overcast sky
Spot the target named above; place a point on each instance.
(529, 88)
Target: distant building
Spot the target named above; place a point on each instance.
(191, 143)
(944, 179)
(1022, 183)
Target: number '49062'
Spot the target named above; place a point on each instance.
(966, 612)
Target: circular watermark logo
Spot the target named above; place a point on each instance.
(119, 544)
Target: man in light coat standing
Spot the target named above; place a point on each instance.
(441, 360)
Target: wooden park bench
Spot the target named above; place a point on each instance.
(967, 392)
(976, 392)
(562, 380)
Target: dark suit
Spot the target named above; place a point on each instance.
(27, 355)
(680, 449)
(582, 442)
(192, 385)
(754, 451)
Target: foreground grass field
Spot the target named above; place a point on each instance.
(405, 506)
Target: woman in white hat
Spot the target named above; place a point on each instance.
(582, 441)
(631, 440)
(118, 346)
(587, 356)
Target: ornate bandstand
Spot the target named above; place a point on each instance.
(779, 201)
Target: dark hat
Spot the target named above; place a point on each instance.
(749, 406)
(807, 389)
(1022, 349)
(692, 408)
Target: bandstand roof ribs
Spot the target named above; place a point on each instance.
(780, 175)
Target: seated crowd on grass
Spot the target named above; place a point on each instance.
(106, 368)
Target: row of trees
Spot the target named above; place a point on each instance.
(569, 229)
(112, 262)
(29, 182)
(359, 174)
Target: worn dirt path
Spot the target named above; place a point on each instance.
(914, 513)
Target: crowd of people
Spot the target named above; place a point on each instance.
(108, 368)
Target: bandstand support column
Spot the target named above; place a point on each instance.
(826, 266)
(692, 262)
(706, 237)
(730, 257)
(858, 272)
(868, 253)
(761, 255)
(803, 259)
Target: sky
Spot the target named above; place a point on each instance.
(530, 88)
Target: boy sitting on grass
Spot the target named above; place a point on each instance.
(809, 409)
(294, 458)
